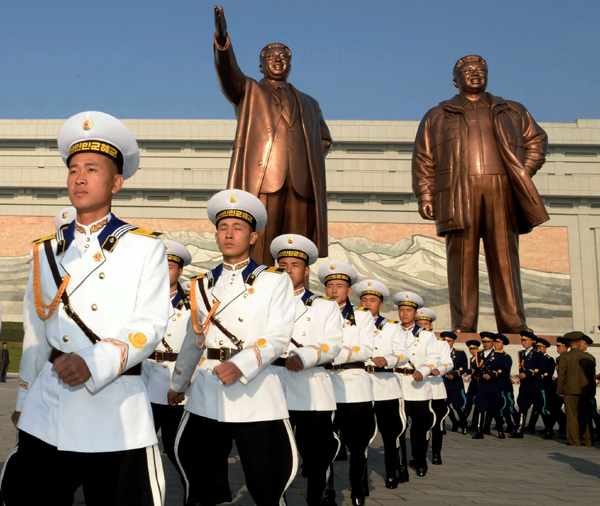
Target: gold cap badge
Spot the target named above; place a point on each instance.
(64, 215)
(332, 267)
(87, 124)
(369, 284)
(291, 240)
(232, 199)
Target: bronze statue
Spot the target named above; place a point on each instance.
(473, 160)
(280, 144)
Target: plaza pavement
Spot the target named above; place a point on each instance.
(489, 471)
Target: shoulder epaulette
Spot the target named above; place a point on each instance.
(324, 297)
(145, 232)
(458, 349)
(395, 322)
(418, 332)
(277, 270)
(199, 276)
(361, 308)
(40, 241)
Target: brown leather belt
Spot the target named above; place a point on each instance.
(164, 356)
(406, 371)
(224, 354)
(136, 370)
(353, 365)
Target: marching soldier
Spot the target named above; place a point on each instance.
(473, 346)
(455, 388)
(549, 392)
(316, 340)
(488, 403)
(351, 383)
(241, 323)
(562, 346)
(506, 386)
(158, 367)
(95, 307)
(531, 370)
(585, 342)
(390, 352)
(423, 357)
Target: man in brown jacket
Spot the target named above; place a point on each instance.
(576, 385)
(280, 144)
(473, 160)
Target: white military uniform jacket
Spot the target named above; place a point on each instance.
(424, 356)
(119, 287)
(156, 374)
(390, 344)
(318, 329)
(445, 365)
(354, 385)
(257, 306)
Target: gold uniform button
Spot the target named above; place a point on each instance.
(376, 348)
(175, 319)
(240, 319)
(101, 275)
(65, 339)
(303, 333)
(169, 334)
(154, 364)
(242, 341)
(94, 307)
(86, 246)
(88, 239)
(219, 320)
(245, 296)
(165, 366)
(220, 343)
(308, 318)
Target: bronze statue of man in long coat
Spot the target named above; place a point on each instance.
(280, 144)
(473, 162)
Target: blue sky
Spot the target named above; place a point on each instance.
(386, 60)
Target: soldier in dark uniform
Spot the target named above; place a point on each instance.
(562, 346)
(549, 392)
(506, 386)
(585, 342)
(455, 387)
(473, 346)
(531, 390)
(488, 402)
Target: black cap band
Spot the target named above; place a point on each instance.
(100, 147)
(237, 213)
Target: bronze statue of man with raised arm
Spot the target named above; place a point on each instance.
(280, 144)
(473, 162)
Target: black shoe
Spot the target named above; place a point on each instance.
(329, 498)
(421, 471)
(464, 430)
(391, 481)
(548, 434)
(436, 459)
(501, 435)
(516, 435)
(403, 474)
(358, 500)
(479, 435)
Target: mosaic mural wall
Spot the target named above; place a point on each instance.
(404, 257)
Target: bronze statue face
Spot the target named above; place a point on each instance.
(276, 64)
(471, 78)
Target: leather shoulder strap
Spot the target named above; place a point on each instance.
(215, 322)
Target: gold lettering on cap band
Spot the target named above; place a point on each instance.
(103, 148)
(176, 259)
(292, 253)
(371, 292)
(237, 213)
(408, 303)
(338, 276)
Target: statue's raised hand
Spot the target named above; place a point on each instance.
(220, 26)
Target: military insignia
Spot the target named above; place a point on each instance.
(64, 215)
(251, 290)
(291, 240)
(325, 348)
(98, 257)
(138, 340)
(261, 343)
(178, 315)
(87, 125)
(166, 246)
(356, 349)
(401, 357)
(407, 296)
(233, 199)
(369, 284)
(332, 267)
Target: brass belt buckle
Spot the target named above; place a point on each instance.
(336, 367)
(160, 356)
(224, 354)
(370, 369)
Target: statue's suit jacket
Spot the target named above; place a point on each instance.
(440, 161)
(254, 161)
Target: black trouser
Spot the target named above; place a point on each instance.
(38, 473)
(390, 425)
(167, 418)
(357, 424)
(267, 451)
(3, 371)
(440, 408)
(422, 419)
(318, 445)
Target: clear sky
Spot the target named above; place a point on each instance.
(386, 60)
